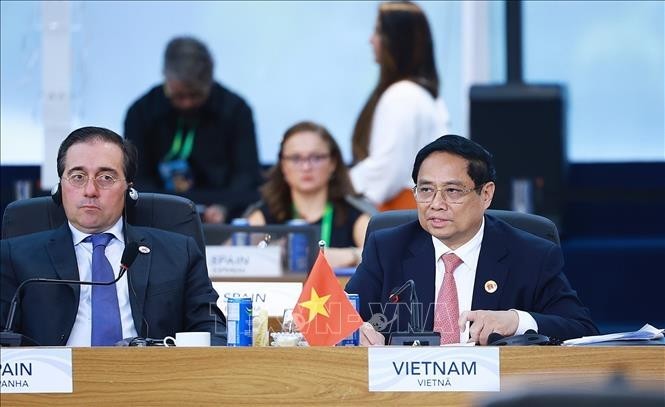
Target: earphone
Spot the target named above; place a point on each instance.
(131, 197)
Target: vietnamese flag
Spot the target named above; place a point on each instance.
(323, 314)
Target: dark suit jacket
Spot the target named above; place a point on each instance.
(169, 288)
(526, 268)
(224, 161)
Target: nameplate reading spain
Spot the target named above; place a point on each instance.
(243, 261)
(274, 297)
(433, 368)
(36, 370)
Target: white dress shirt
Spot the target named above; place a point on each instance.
(82, 329)
(465, 276)
(406, 118)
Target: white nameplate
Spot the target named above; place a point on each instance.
(36, 370)
(243, 261)
(274, 297)
(434, 368)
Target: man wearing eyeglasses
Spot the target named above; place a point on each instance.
(196, 137)
(166, 289)
(474, 274)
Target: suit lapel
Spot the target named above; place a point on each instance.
(419, 266)
(60, 248)
(491, 267)
(137, 275)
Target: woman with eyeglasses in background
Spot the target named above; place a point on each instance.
(311, 182)
(403, 113)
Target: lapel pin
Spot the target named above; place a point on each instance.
(490, 286)
(146, 250)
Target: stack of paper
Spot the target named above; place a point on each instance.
(646, 333)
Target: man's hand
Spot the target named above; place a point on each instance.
(370, 337)
(486, 322)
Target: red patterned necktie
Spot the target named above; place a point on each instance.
(446, 311)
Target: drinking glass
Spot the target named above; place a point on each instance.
(288, 324)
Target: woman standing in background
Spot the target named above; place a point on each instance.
(403, 113)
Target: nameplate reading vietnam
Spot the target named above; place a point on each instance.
(36, 370)
(433, 368)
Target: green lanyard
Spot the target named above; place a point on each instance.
(326, 222)
(178, 147)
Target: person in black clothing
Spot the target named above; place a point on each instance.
(196, 137)
(311, 182)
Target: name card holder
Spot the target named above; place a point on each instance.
(275, 297)
(36, 370)
(243, 261)
(433, 369)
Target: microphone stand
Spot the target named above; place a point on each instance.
(10, 338)
(417, 337)
(416, 312)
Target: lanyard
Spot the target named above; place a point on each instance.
(178, 147)
(326, 222)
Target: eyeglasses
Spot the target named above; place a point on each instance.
(450, 193)
(79, 179)
(314, 160)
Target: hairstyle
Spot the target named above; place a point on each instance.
(188, 60)
(88, 134)
(277, 193)
(406, 53)
(481, 166)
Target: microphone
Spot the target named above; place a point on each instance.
(128, 256)
(9, 338)
(394, 296)
(416, 312)
(417, 337)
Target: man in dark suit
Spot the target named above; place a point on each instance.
(166, 290)
(196, 137)
(474, 274)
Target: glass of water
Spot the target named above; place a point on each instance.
(288, 324)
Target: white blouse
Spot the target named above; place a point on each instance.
(406, 118)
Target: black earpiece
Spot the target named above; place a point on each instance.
(131, 197)
(56, 195)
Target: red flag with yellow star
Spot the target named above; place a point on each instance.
(323, 313)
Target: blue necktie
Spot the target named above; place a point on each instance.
(106, 326)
